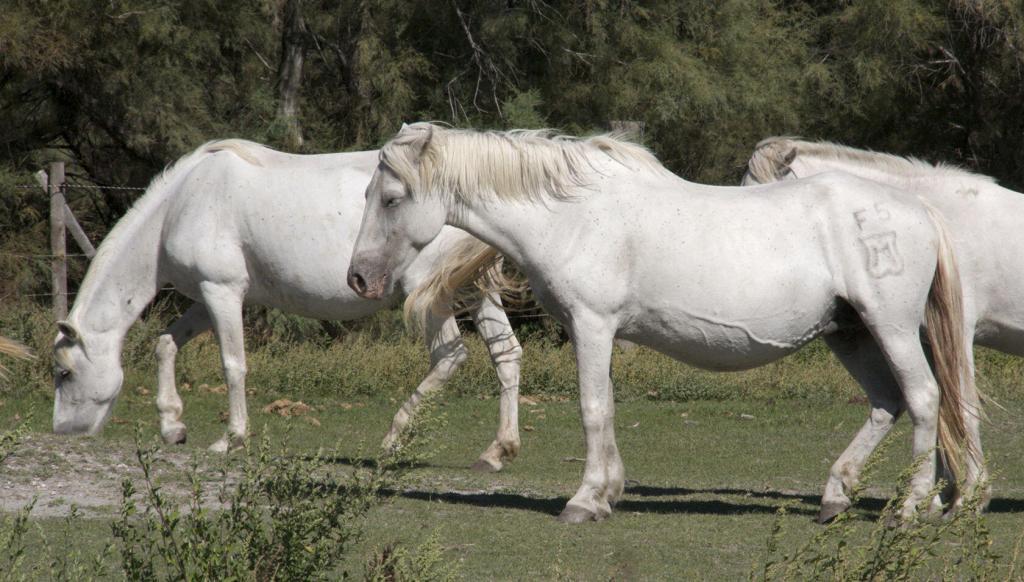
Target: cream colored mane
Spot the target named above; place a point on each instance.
(773, 155)
(508, 165)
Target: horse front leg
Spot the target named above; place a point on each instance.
(603, 475)
(506, 356)
(224, 305)
(168, 403)
(447, 354)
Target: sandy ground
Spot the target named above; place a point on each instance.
(59, 472)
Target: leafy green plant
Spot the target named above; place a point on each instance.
(396, 563)
(65, 561)
(9, 439)
(13, 544)
(955, 547)
(284, 517)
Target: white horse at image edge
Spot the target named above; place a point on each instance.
(723, 278)
(237, 223)
(986, 224)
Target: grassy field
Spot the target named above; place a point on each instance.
(705, 479)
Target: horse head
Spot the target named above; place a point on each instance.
(87, 378)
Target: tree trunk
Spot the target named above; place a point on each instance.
(289, 72)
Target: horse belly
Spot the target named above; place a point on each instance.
(315, 304)
(722, 343)
(319, 294)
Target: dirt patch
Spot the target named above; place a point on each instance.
(59, 472)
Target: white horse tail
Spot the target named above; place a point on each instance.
(14, 349)
(246, 150)
(469, 260)
(944, 316)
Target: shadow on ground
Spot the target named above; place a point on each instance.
(642, 499)
(554, 505)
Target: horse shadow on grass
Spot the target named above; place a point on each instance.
(643, 499)
(645, 503)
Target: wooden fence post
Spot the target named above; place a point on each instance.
(58, 241)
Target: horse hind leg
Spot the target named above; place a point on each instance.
(506, 356)
(903, 351)
(168, 403)
(861, 356)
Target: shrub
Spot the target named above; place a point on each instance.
(957, 547)
(395, 563)
(284, 517)
(9, 439)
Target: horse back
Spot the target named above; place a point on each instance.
(281, 233)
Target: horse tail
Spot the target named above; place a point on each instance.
(468, 260)
(944, 316)
(245, 150)
(770, 160)
(14, 349)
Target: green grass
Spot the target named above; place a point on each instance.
(704, 487)
(700, 504)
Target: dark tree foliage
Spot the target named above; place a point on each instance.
(120, 88)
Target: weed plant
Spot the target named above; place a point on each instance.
(274, 514)
(954, 547)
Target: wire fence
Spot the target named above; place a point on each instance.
(64, 187)
(73, 186)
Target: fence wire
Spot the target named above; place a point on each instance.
(72, 186)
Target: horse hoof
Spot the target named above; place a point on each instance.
(220, 446)
(176, 436)
(577, 514)
(484, 466)
(830, 510)
(390, 442)
(237, 443)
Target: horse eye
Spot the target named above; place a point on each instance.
(392, 202)
(64, 373)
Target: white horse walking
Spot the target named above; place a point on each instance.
(235, 222)
(723, 278)
(985, 224)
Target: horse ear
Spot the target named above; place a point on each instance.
(69, 331)
(405, 126)
(418, 137)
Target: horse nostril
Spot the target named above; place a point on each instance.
(356, 282)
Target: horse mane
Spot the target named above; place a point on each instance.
(772, 156)
(510, 165)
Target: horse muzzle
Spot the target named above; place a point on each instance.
(367, 285)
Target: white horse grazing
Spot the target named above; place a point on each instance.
(985, 224)
(723, 278)
(232, 223)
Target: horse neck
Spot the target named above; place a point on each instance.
(523, 231)
(123, 277)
